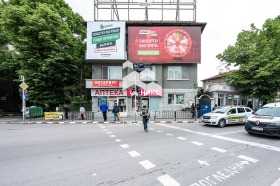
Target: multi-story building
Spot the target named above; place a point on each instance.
(144, 63)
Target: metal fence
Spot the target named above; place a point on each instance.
(171, 114)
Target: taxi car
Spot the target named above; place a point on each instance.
(265, 121)
(227, 115)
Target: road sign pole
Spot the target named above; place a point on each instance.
(23, 86)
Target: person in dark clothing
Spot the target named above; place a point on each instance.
(146, 116)
(116, 110)
(198, 110)
(215, 107)
(192, 110)
(104, 108)
(66, 110)
(47, 108)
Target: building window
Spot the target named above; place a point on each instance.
(111, 72)
(149, 74)
(177, 72)
(175, 99)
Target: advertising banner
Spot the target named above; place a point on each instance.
(162, 44)
(106, 40)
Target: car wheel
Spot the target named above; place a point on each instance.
(222, 123)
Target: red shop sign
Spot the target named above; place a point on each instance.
(106, 83)
(144, 92)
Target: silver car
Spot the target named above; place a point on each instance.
(227, 115)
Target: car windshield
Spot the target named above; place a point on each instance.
(268, 111)
(221, 110)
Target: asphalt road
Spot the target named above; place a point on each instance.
(188, 154)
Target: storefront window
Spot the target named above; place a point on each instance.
(175, 99)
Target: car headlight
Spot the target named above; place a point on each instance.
(277, 123)
(214, 117)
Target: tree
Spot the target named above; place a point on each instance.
(7, 65)
(49, 42)
(257, 53)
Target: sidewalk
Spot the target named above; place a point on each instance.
(126, 120)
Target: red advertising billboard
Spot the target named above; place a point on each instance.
(162, 44)
(105, 83)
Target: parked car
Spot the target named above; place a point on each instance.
(227, 115)
(265, 121)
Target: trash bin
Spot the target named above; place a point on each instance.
(36, 112)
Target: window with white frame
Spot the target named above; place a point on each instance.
(111, 72)
(175, 98)
(177, 72)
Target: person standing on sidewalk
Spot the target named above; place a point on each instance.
(104, 108)
(116, 110)
(146, 116)
(66, 110)
(82, 112)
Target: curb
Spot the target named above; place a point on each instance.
(98, 122)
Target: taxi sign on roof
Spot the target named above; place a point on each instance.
(23, 85)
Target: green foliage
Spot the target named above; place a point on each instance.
(257, 53)
(49, 46)
(78, 101)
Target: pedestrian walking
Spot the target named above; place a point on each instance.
(116, 110)
(66, 110)
(146, 116)
(82, 112)
(104, 108)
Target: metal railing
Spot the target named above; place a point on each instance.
(171, 114)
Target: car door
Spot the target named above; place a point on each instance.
(241, 114)
(232, 116)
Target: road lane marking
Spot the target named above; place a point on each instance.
(269, 147)
(218, 149)
(124, 146)
(168, 134)
(159, 131)
(133, 154)
(231, 132)
(248, 158)
(147, 164)
(109, 132)
(197, 143)
(166, 180)
(203, 162)
(276, 183)
(118, 140)
(112, 136)
(181, 138)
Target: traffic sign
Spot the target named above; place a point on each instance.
(23, 85)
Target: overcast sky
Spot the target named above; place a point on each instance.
(224, 18)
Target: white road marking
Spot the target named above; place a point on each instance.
(61, 122)
(159, 131)
(166, 180)
(203, 162)
(168, 134)
(151, 129)
(279, 168)
(269, 147)
(181, 138)
(94, 174)
(38, 122)
(248, 158)
(124, 146)
(197, 143)
(118, 140)
(218, 149)
(231, 132)
(112, 136)
(50, 122)
(72, 122)
(109, 132)
(147, 164)
(276, 183)
(133, 154)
